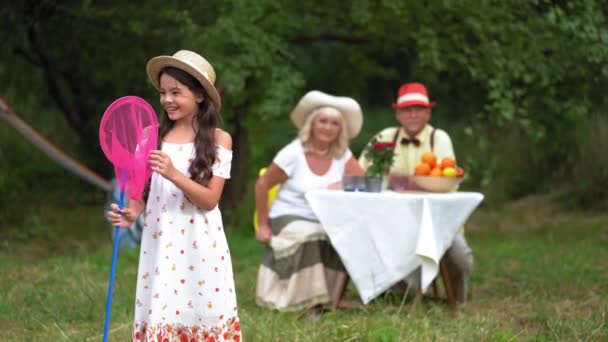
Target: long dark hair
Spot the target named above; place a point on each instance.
(204, 124)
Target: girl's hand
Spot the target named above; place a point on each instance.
(263, 234)
(120, 218)
(161, 163)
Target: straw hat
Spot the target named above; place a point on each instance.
(413, 94)
(348, 107)
(190, 62)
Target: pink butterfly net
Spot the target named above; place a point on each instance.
(127, 133)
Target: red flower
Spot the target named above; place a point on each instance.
(237, 338)
(237, 326)
(380, 154)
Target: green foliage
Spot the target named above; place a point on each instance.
(586, 166)
(539, 67)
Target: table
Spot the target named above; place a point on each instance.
(383, 237)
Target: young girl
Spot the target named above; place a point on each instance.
(185, 286)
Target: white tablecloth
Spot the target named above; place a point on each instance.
(383, 237)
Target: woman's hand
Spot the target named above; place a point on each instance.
(335, 186)
(160, 162)
(121, 217)
(264, 233)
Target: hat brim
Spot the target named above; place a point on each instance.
(157, 64)
(350, 109)
(414, 103)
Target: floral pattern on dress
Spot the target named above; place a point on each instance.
(230, 331)
(185, 284)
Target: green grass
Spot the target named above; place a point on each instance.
(539, 275)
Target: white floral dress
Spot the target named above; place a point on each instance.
(185, 285)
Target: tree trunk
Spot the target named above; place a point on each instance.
(236, 186)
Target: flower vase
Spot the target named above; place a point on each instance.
(374, 183)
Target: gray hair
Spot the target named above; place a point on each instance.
(339, 146)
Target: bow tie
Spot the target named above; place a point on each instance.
(414, 141)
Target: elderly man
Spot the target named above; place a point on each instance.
(413, 137)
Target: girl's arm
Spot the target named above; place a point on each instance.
(273, 176)
(205, 197)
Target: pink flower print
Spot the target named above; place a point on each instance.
(219, 228)
(177, 312)
(138, 303)
(150, 312)
(183, 231)
(160, 232)
(175, 292)
(221, 316)
(181, 251)
(164, 208)
(174, 194)
(156, 295)
(156, 272)
(170, 222)
(216, 269)
(190, 161)
(203, 260)
(145, 276)
(191, 267)
(157, 198)
(194, 245)
(217, 289)
(192, 220)
(206, 220)
(222, 257)
(183, 281)
(190, 306)
(158, 219)
(200, 294)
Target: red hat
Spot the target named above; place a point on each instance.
(413, 94)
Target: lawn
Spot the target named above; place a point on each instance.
(540, 274)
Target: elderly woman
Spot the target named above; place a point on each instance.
(300, 267)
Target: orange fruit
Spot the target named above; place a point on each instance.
(429, 158)
(436, 172)
(448, 162)
(423, 169)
